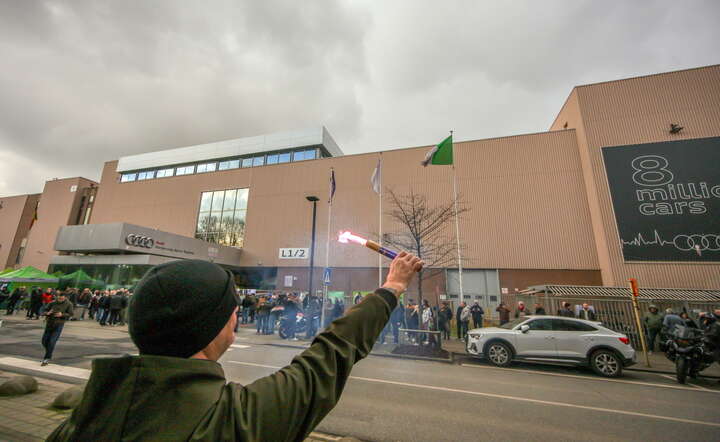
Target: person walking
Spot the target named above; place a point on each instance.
(503, 313)
(56, 313)
(14, 299)
(477, 313)
(116, 304)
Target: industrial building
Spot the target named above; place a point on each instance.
(625, 183)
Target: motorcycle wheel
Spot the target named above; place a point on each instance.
(681, 370)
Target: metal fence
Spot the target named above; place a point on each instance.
(615, 313)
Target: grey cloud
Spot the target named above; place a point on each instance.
(88, 81)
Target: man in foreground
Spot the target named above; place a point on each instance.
(182, 319)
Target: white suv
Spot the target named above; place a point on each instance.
(553, 339)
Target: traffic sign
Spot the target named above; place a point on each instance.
(326, 276)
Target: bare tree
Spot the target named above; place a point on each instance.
(424, 232)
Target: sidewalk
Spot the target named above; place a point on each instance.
(658, 362)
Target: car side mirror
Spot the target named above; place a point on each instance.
(524, 328)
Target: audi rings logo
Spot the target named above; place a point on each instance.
(697, 242)
(139, 241)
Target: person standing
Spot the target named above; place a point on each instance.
(458, 324)
(35, 304)
(312, 314)
(566, 311)
(522, 310)
(56, 313)
(503, 313)
(83, 302)
(465, 316)
(586, 313)
(444, 319)
(477, 313)
(16, 296)
(47, 298)
(116, 304)
(539, 309)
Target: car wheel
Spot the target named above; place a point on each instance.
(606, 363)
(499, 354)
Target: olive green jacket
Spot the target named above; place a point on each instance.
(156, 397)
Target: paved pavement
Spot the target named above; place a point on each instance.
(399, 399)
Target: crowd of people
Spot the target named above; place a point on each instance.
(107, 307)
(658, 325)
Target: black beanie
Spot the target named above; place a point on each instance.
(179, 307)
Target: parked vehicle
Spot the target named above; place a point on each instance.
(687, 348)
(553, 339)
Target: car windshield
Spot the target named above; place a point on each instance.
(510, 325)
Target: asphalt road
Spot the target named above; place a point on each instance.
(399, 399)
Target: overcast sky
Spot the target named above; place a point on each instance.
(83, 82)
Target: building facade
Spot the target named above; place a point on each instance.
(543, 208)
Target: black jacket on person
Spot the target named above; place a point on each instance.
(566, 312)
(588, 314)
(17, 294)
(116, 302)
(540, 311)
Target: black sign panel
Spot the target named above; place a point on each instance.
(666, 198)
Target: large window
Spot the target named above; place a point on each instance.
(221, 218)
(208, 167)
(187, 170)
(230, 164)
(128, 177)
(164, 173)
(146, 175)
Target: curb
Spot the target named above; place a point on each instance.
(644, 370)
(41, 374)
(382, 355)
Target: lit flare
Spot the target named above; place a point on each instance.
(346, 237)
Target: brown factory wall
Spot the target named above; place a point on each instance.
(15, 218)
(633, 111)
(350, 280)
(515, 280)
(526, 195)
(58, 207)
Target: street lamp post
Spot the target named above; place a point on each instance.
(313, 200)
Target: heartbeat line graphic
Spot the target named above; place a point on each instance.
(687, 243)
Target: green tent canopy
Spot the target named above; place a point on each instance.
(77, 276)
(7, 270)
(28, 274)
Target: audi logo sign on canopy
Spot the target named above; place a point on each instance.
(139, 241)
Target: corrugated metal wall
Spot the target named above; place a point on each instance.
(640, 110)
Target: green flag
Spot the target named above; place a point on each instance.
(442, 154)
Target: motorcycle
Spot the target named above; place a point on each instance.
(687, 348)
(300, 325)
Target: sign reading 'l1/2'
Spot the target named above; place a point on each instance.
(666, 198)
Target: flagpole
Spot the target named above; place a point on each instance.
(457, 230)
(327, 257)
(380, 225)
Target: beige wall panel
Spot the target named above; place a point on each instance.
(15, 217)
(55, 210)
(571, 116)
(532, 183)
(640, 110)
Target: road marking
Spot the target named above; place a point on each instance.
(667, 377)
(27, 364)
(619, 381)
(239, 346)
(515, 398)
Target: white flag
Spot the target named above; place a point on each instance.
(375, 178)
